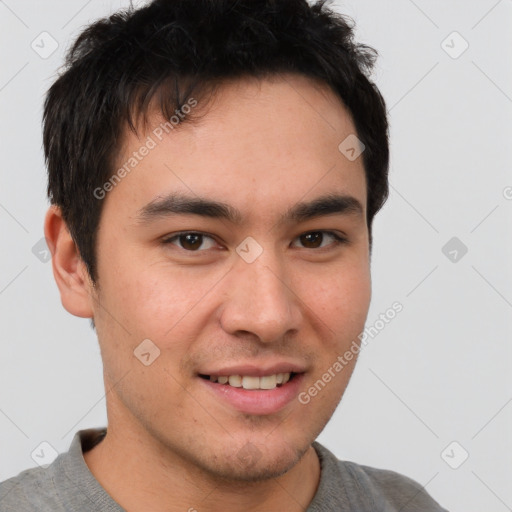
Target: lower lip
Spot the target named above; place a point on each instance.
(257, 401)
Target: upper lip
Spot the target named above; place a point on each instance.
(254, 370)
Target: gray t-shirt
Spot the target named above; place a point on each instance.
(67, 485)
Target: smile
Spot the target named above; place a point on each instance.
(254, 394)
(251, 381)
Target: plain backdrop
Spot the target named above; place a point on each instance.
(434, 386)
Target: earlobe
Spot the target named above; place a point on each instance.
(69, 270)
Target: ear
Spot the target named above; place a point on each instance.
(69, 270)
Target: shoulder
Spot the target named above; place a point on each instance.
(393, 489)
(33, 489)
(66, 484)
(369, 488)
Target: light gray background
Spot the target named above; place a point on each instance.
(438, 373)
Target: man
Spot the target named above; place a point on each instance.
(214, 170)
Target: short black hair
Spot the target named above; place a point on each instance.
(169, 50)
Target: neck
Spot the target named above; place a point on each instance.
(140, 476)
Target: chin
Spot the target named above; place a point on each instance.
(256, 463)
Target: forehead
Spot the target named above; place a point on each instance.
(258, 142)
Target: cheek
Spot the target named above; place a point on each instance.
(341, 300)
(163, 304)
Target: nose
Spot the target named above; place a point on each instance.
(260, 301)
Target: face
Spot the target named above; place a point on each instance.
(238, 249)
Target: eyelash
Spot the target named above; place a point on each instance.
(338, 240)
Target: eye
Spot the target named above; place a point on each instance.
(191, 241)
(316, 239)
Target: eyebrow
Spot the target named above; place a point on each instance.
(181, 204)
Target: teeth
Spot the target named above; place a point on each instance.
(251, 382)
(268, 382)
(235, 381)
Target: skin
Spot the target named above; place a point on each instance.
(263, 146)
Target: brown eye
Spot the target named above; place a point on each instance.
(316, 239)
(312, 240)
(193, 242)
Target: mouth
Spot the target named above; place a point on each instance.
(262, 393)
(251, 382)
